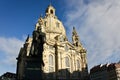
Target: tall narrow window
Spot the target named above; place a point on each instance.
(51, 63)
(67, 63)
(45, 23)
(78, 68)
(78, 65)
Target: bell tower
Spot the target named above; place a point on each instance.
(75, 38)
(50, 10)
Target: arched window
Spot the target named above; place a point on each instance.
(78, 65)
(51, 63)
(67, 63)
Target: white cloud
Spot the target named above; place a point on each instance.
(10, 48)
(98, 24)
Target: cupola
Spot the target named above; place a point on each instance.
(50, 10)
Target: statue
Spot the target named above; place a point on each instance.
(37, 44)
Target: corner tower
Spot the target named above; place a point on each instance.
(49, 55)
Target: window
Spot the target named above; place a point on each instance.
(51, 63)
(45, 23)
(78, 64)
(67, 63)
(61, 38)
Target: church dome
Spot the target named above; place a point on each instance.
(51, 24)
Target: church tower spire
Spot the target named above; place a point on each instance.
(75, 38)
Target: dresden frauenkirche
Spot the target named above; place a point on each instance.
(48, 55)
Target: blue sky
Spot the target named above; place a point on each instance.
(97, 23)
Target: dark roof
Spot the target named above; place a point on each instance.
(9, 75)
(95, 69)
(106, 67)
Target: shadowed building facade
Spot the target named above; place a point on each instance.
(105, 72)
(49, 55)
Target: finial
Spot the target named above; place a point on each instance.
(73, 28)
(74, 31)
(40, 15)
(50, 2)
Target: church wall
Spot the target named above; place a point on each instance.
(72, 55)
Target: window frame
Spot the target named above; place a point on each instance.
(51, 63)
